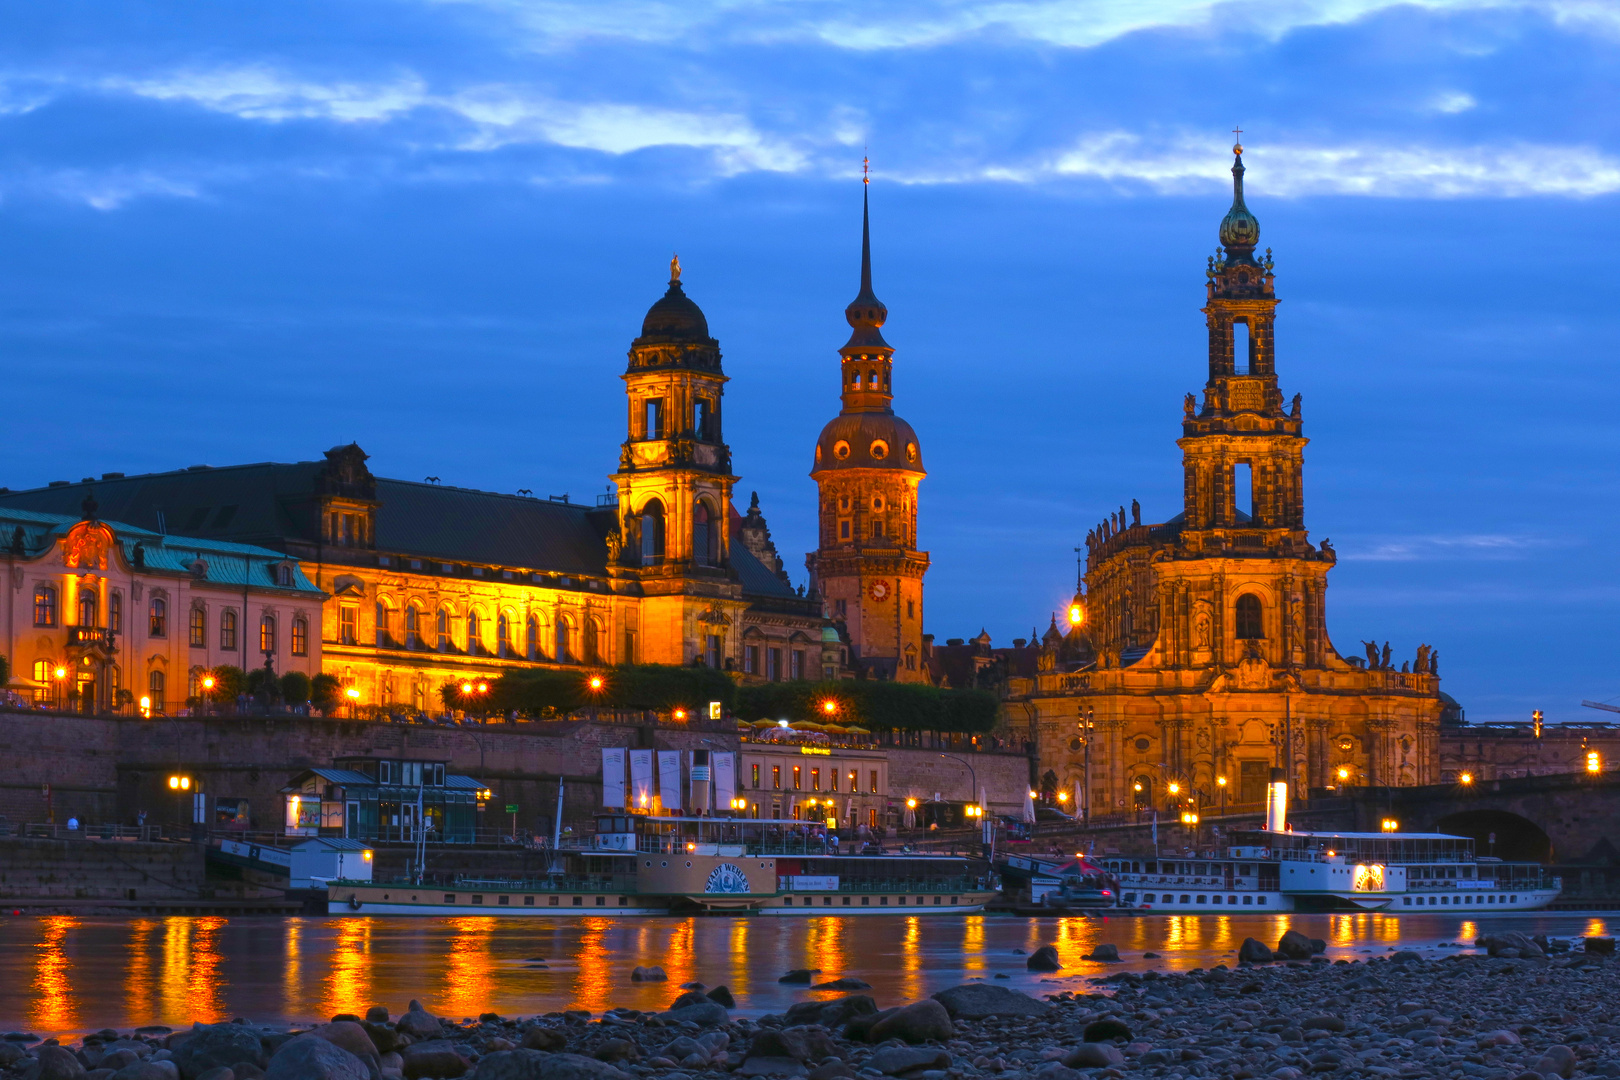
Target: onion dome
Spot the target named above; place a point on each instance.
(1240, 230)
(674, 318)
(868, 440)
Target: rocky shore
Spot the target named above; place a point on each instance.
(1522, 1009)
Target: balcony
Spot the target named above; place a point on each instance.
(89, 637)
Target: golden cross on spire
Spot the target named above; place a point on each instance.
(1237, 140)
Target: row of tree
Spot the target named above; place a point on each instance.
(878, 706)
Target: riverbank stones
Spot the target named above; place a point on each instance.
(1103, 954)
(1044, 958)
(310, 1057)
(977, 1001)
(523, 1064)
(208, 1046)
(1254, 952)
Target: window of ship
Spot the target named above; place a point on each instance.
(1261, 900)
(1248, 899)
(1129, 898)
(1185, 899)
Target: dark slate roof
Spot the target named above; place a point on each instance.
(250, 504)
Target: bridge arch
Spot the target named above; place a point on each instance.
(1517, 839)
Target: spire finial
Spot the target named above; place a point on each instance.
(1237, 141)
(674, 269)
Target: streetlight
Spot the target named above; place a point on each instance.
(1465, 779)
(1343, 773)
(595, 684)
(829, 707)
(61, 674)
(680, 714)
(911, 812)
(1086, 724)
(1594, 762)
(180, 785)
(1220, 782)
(1390, 824)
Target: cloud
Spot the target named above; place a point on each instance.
(1491, 546)
(1383, 169)
(107, 189)
(262, 93)
(911, 24)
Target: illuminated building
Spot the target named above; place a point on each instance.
(103, 615)
(868, 465)
(1204, 650)
(430, 584)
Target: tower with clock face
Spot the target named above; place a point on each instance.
(867, 470)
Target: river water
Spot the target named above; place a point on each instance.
(65, 975)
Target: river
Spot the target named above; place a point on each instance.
(66, 975)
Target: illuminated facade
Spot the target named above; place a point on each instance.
(1205, 655)
(100, 615)
(868, 466)
(431, 584)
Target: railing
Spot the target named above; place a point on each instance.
(37, 830)
(602, 883)
(90, 635)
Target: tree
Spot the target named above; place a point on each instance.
(228, 682)
(295, 688)
(324, 690)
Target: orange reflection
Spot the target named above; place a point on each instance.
(595, 986)
(54, 1008)
(348, 987)
(911, 959)
(824, 945)
(292, 968)
(205, 983)
(468, 981)
(138, 973)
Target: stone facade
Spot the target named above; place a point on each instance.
(101, 615)
(1204, 655)
(868, 467)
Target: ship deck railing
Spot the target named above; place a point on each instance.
(590, 883)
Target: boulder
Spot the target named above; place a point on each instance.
(1044, 958)
(377, 1014)
(208, 1046)
(221, 1073)
(707, 1014)
(831, 1014)
(859, 1028)
(521, 1064)
(779, 1043)
(975, 1001)
(617, 1050)
(772, 1066)
(10, 1054)
(1093, 1055)
(722, 996)
(1556, 1060)
(352, 1037)
(418, 1023)
(648, 974)
(1106, 1030)
(691, 997)
(432, 1057)
(1318, 945)
(895, 1060)
(1253, 952)
(1405, 956)
(548, 1039)
(1502, 940)
(113, 1059)
(58, 1063)
(1323, 1023)
(1603, 946)
(916, 1023)
(1294, 945)
(157, 1070)
(848, 982)
(310, 1057)
(800, 975)
(832, 1069)
(1103, 953)
(246, 1070)
(684, 1048)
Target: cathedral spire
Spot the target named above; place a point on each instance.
(866, 312)
(1240, 231)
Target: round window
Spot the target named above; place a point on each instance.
(880, 449)
(911, 451)
(1346, 744)
(1075, 744)
(663, 862)
(840, 449)
(877, 502)
(1142, 745)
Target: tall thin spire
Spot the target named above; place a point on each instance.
(866, 227)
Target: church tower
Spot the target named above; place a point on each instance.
(674, 485)
(868, 466)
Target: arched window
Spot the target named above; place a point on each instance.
(115, 612)
(45, 606)
(443, 629)
(199, 629)
(589, 646)
(704, 535)
(89, 607)
(284, 574)
(267, 634)
(475, 637)
(652, 533)
(1142, 791)
(503, 634)
(1249, 625)
(155, 686)
(533, 646)
(385, 629)
(413, 630)
(227, 630)
(300, 638)
(158, 617)
(563, 656)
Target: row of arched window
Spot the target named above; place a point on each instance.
(650, 524)
(572, 640)
(157, 620)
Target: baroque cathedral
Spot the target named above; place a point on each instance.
(1199, 656)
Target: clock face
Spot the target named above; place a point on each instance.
(880, 590)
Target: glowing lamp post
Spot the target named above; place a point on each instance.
(1220, 784)
(1465, 779)
(181, 786)
(1594, 762)
(1389, 824)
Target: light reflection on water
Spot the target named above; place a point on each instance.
(63, 975)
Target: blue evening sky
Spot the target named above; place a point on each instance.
(243, 232)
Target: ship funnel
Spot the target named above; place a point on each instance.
(700, 782)
(1277, 802)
